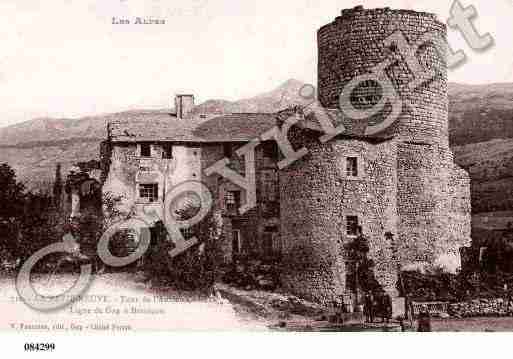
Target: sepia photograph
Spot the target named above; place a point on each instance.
(265, 167)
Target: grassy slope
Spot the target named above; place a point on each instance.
(481, 132)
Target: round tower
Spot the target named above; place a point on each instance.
(358, 40)
(406, 186)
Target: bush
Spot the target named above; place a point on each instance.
(455, 287)
(196, 268)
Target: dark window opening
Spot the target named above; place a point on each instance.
(269, 240)
(352, 225)
(227, 150)
(366, 95)
(145, 150)
(236, 242)
(187, 233)
(270, 150)
(167, 151)
(352, 166)
(267, 243)
(232, 200)
(149, 192)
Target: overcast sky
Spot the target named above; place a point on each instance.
(65, 58)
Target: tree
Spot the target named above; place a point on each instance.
(57, 187)
(199, 266)
(361, 274)
(39, 226)
(12, 198)
(11, 194)
(28, 220)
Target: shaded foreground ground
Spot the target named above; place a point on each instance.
(118, 302)
(488, 324)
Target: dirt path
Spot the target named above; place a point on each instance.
(118, 303)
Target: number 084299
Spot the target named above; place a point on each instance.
(39, 347)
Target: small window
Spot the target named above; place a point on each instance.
(187, 233)
(352, 225)
(145, 150)
(149, 192)
(227, 150)
(352, 166)
(167, 151)
(232, 200)
(270, 150)
(269, 240)
(267, 243)
(229, 198)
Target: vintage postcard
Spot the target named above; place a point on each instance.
(290, 166)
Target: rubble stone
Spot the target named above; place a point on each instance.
(408, 183)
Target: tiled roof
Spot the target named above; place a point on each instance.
(162, 126)
(234, 127)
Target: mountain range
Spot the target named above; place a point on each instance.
(480, 129)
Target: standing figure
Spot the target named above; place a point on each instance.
(377, 305)
(424, 320)
(402, 324)
(386, 307)
(368, 309)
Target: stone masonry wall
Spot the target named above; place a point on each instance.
(316, 197)
(354, 43)
(453, 211)
(126, 168)
(416, 198)
(251, 224)
(434, 206)
(410, 185)
(414, 191)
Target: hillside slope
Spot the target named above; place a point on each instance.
(480, 124)
(479, 113)
(35, 147)
(490, 165)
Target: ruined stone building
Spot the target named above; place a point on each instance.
(401, 180)
(150, 153)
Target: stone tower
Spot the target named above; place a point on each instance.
(401, 180)
(360, 39)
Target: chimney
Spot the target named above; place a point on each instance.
(183, 105)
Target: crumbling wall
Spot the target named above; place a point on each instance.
(125, 169)
(403, 181)
(434, 206)
(120, 178)
(355, 42)
(454, 213)
(416, 202)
